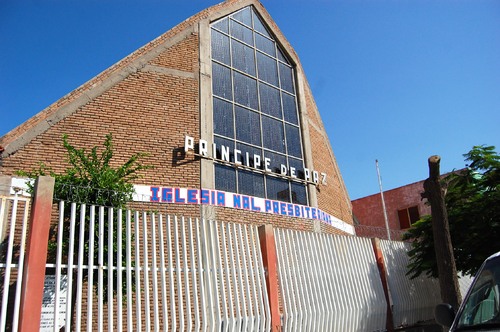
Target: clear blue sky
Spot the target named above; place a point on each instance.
(396, 81)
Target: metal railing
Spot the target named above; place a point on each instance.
(130, 270)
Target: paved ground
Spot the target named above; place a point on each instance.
(427, 327)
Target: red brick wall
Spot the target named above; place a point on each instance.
(331, 196)
(369, 212)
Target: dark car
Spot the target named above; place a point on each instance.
(479, 310)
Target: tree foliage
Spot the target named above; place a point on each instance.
(473, 204)
(91, 179)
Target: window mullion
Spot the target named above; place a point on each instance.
(233, 96)
(259, 110)
(283, 121)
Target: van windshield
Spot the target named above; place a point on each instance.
(482, 305)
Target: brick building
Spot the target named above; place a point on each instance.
(222, 106)
(404, 206)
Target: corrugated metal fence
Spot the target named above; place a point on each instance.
(329, 283)
(112, 269)
(413, 300)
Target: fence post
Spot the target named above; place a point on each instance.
(36, 255)
(5, 185)
(383, 277)
(270, 261)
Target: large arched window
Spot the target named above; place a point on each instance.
(255, 116)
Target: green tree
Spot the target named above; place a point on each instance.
(473, 204)
(91, 179)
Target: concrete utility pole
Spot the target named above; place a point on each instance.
(448, 279)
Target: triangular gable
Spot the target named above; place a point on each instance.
(70, 103)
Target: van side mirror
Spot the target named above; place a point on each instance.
(444, 314)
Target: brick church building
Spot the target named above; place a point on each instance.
(221, 105)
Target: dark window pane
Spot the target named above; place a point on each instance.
(298, 165)
(245, 90)
(250, 183)
(223, 147)
(289, 108)
(266, 67)
(277, 189)
(243, 57)
(404, 219)
(225, 178)
(221, 81)
(270, 102)
(259, 26)
(223, 118)
(220, 47)
(276, 161)
(286, 77)
(244, 16)
(251, 151)
(247, 126)
(414, 215)
(241, 32)
(299, 193)
(272, 132)
(281, 56)
(265, 45)
(222, 25)
(293, 141)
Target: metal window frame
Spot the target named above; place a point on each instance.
(283, 122)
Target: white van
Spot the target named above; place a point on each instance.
(480, 310)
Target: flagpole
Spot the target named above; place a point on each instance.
(383, 201)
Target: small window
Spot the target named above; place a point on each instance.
(265, 44)
(243, 57)
(278, 189)
(221, 81)
(245, 90)
(220, 47)
(241, 32)
(251, 183)
(250, 131)
(408, 217)
(270, 102)
(226, 176)
(223, 118)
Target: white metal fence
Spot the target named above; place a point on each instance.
(329, 283)
(122, 270)
(413, 300)
(14, 212)
(162, 273)
(117, 270)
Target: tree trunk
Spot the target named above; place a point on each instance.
(448, 279)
